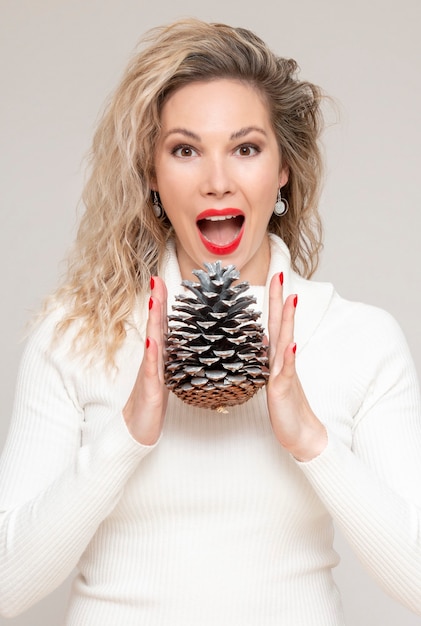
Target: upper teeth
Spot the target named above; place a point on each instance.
(219, 218)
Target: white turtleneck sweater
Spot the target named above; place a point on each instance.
(216, 524)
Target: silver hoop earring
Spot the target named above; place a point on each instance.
(281, 205)
(158, 209)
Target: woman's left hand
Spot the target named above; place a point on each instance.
(295, 425)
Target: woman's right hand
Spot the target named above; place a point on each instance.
(145, 409)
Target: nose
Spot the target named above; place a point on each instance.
(217, 179)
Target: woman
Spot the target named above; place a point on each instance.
(180, 515)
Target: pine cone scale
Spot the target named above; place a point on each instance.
(215, 322)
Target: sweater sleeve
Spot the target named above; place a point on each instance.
(54, 492)
(373, 489)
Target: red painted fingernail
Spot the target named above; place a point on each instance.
(294, 348)
(150, 303)
(148, 342)
(152, 282)
(281, 278)
(295, 301)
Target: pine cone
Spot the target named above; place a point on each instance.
(215, 352)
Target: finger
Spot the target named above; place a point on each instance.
(286, 332)
(275, 312)
(150, 359)
(159, 298)
(288, 367)
(153, 325)
(159, 290)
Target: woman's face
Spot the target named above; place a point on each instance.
(218, 170)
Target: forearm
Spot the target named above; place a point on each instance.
(383, 528)
(42, 540)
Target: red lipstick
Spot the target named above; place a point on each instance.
(218, 215)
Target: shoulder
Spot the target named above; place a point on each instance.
(54, 344)
(44, 337)
(355, 334)
(364, 333)
(357, 353)
(371, 321)
(51, 362)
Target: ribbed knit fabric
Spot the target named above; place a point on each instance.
(216, 524)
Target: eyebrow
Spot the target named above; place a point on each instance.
(237, 135)
(245, 131)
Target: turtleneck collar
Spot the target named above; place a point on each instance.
(313, 297)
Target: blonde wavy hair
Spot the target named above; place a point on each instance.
(120, 242)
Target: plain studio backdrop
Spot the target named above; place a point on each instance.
(59, 61)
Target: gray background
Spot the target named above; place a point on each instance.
(60, 59)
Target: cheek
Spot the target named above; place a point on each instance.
(266, 191)
(171, 186)
(265, 199)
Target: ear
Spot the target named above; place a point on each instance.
(283, 175)
(153, 183)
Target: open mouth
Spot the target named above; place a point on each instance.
(221, 231)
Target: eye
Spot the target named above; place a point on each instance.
(183, 151)
(247, 150)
